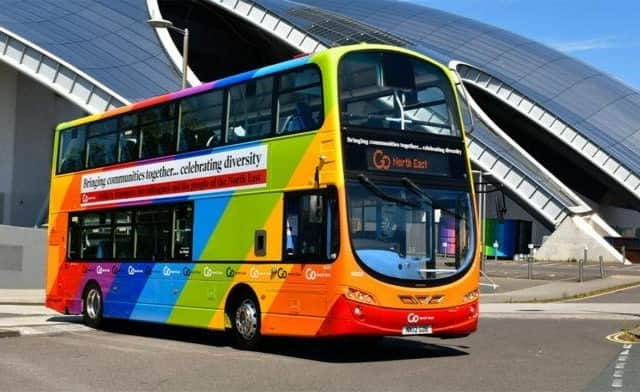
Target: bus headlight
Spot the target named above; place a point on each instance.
(360, 296)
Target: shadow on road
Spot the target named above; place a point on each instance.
(338, 350)
(66, 319)
(354, 350)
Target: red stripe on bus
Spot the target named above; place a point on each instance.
(232, 180)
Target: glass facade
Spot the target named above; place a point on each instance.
(598, 107)
(99, 38)
(107, 39)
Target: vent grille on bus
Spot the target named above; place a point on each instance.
(421, 299)
(336, 30)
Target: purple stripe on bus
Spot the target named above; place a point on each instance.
(192, 90)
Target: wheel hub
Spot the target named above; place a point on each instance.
(246, 319)
(93, 303)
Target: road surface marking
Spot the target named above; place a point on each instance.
(618, 374)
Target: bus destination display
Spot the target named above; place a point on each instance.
(399, 157)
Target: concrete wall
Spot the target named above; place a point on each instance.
(29, 112)
(22, 257)
(568, 241)
(8, 85)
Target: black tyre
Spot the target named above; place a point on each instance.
(245, 322)
(92, 306)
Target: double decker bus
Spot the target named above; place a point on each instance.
(329, 195)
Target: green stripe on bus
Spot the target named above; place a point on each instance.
(233, 236)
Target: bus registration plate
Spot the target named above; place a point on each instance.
(416, 330)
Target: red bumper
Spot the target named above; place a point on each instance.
(345, 319)
(62, 305)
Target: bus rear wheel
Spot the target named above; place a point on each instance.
(92, 305)
(245, 322)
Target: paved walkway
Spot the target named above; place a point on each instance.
(29, 319)
(22, 296)
(562, 310)
(507, 290)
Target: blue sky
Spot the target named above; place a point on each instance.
(603, 33)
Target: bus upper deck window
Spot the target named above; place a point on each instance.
(72, 150)
(382, 90)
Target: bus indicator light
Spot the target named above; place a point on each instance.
(360, 296)
(470, 296)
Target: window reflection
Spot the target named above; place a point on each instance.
(201, 121)
(250, 110)
(401, 239)
(147, 233)
(393, 91)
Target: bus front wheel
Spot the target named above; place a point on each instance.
(245, 322)
(92, 306)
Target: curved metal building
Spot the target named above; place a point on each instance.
(562, 138)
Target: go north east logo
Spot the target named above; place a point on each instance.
(311, 274)
(381, 161)
(413, 318)
(209, 272)
(167, 271)
(407, 161)
(132, 270)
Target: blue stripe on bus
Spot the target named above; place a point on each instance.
(205, 224)
(125, 289)
(161, 292)
(151, 312)
(281, 66)
(243, 77)
(233, 79)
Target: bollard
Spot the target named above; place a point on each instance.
(585, 253)
(529, 267)
(601, 260)
(580, 272)
(624, 251)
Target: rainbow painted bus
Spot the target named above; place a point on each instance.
(329, 195)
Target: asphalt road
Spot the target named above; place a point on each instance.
(504, 355)
(510, 352)
(627, 296)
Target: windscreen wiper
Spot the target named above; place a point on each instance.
(417, 190)
(381, 194)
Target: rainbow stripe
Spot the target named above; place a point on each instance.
(235, 79)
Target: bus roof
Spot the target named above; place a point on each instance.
(234, 79)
